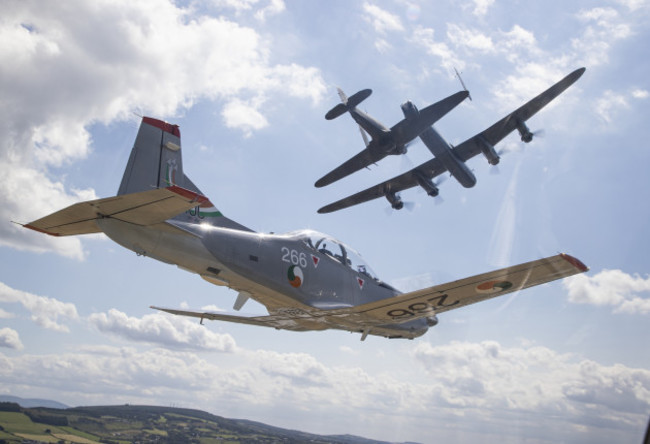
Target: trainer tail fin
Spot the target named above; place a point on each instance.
(156, 162)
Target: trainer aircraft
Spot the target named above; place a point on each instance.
(305, 279)
(452, 159)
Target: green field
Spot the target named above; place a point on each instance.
(143, 424)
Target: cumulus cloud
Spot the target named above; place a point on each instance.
(481, 7)
(425, 37)
(624, 292)
(470, 39)
(491, 377)
(382, 21)
(487, 382)
(73, 64)
(609, 104)
(9, 339)
(170, 331)
(45, 311)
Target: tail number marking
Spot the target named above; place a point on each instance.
(418, 308)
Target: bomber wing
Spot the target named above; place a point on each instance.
(430, 168)
(497, 132)
(452, 295)
(402, 133)
(142, 208)
(465, 151)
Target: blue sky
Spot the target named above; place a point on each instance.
(249, 82)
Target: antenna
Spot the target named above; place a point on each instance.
(463, 84)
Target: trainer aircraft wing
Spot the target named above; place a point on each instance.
(477, 144)
(452, 295)
(409, 306)
(283, 322)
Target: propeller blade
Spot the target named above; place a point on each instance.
(364, 136)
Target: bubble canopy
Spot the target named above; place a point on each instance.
(333, 248)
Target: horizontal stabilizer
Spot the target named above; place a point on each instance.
(143, 208)
(356, 98)
(350, 103)
(338, 110)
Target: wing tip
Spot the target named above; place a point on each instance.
(575, 262)
(41, 230)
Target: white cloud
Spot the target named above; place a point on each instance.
(6, 315)
(536, 379)
(481, 7)
(604, 27)
(170, 331)
(73, 64)
(640, 94)
(9, 339)
(609, 104)
(425, 37)
(45, 311)
(381, 20)
(624, 292)
(484, 385)
(274, 7)
(270, 7)
(471, 39)
(239, 114)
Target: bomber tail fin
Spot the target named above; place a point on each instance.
(347, 103)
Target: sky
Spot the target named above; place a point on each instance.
(249, 83)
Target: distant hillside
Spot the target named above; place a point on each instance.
(145, 424)
(28, 403)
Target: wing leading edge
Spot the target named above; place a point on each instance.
(465, 151)
(410, 306)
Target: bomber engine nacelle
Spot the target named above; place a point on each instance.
(488, 151)
(426, 184)
(524, 132)
(394, 199)
(410, 111)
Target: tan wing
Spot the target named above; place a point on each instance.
(143, 208)
(295, 320)
(441, 298)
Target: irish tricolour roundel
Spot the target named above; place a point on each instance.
(295, 276)
(493, 286)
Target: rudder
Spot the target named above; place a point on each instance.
(156, 161)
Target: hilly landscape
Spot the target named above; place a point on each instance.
(143, 424)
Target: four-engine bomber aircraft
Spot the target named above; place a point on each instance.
(306, 280)
(384, 141)
(451, 159)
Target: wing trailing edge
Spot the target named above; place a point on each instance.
(143, 208)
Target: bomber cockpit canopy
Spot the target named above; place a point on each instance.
(335, 249)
